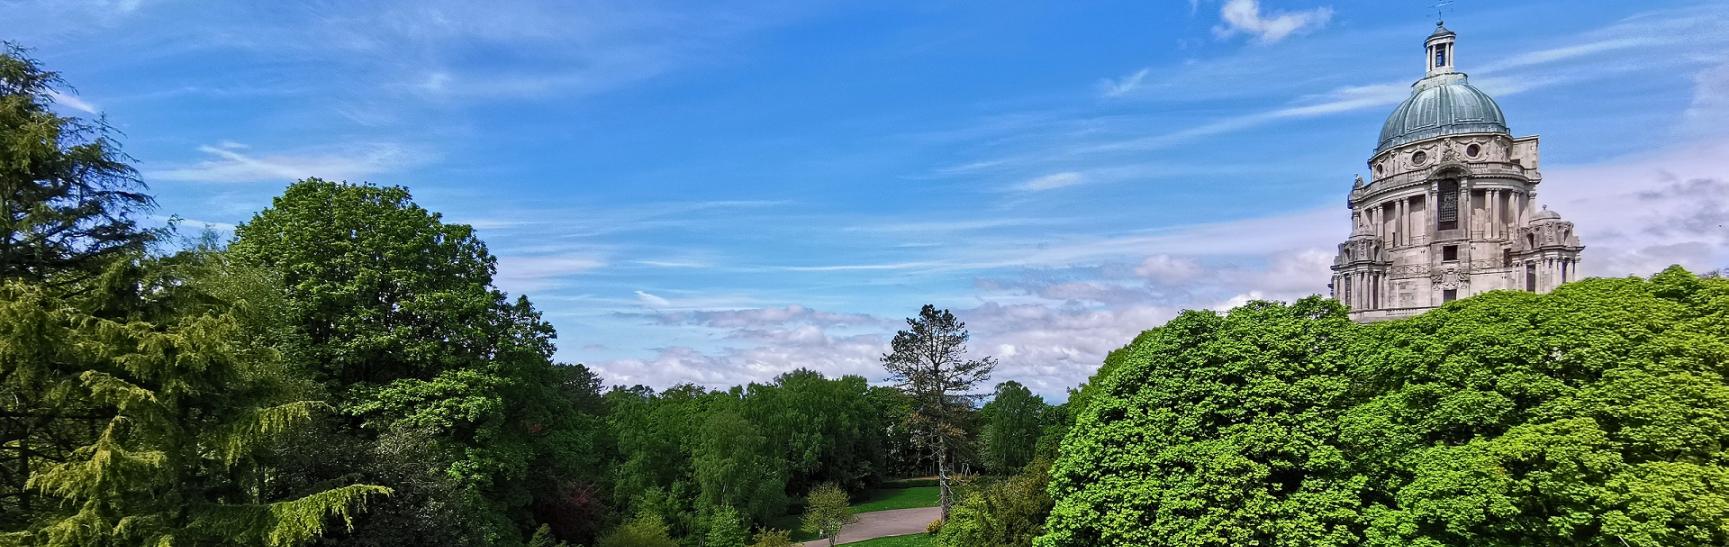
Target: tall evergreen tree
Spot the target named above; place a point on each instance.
(190, 411)
(928, 361)
(67, 193)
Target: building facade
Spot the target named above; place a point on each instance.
(1449, 208)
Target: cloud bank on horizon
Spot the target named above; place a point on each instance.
(722, 193)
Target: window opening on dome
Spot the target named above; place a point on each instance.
(1450, 253)
(1473, 150)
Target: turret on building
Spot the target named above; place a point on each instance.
(1448, 210)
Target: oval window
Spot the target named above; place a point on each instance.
(1419, 157)
(1380, 168)
(1473, 150)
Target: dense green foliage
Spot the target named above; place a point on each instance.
(1013, 421)
(67, 193)
(1591, 415)
(1008, 511)
(184, 410)
(646, 530)
(394, 314)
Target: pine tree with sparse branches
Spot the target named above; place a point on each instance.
(929, 362)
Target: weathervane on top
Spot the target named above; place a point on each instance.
(1440, 10)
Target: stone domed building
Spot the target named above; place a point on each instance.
(1448, 211)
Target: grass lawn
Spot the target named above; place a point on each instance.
(903, 494)
(883, 499)
(915, 540)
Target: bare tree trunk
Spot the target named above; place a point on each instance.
(943, 476)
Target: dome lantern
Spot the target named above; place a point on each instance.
(1442, 103)
(1439, 47)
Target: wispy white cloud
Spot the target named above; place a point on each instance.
(1052, 181)
(652, 301)
(859, 267)
(1117, 87)
(73, 102)
(690, 264)
(1245, 17)
(231, 163)
(522, 274)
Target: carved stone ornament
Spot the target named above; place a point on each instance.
(1450, 278)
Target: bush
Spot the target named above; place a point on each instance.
(773, 538)
(1005, 513)
(827, 510)
(726, 528)
(646, 530)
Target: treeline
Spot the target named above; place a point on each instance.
(344, 371)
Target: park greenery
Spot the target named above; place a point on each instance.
(344, 371)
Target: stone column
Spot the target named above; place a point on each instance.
(1465, 208)
(1429, 208)
(1403, 220)
(1523, 203)
(1491, 206)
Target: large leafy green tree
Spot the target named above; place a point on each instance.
(827, 430)
(393, 311)
(734, 466)
(1594, 415)
(929, 361)
(67, 193)
(1013, 421)
(1214, 430)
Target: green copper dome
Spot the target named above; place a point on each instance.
(1440, 105)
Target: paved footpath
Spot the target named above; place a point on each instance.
(876, 524)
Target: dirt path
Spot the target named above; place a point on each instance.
(896, 522)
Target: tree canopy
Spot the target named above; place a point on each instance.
(1591, 415)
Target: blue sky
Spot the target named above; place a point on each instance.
(719, 192)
